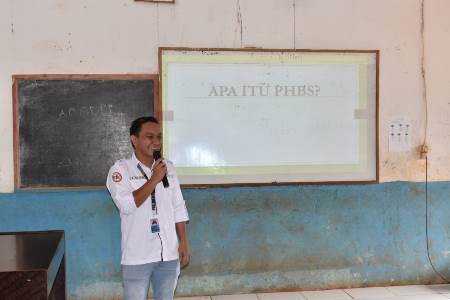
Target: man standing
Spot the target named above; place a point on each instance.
(153, 217)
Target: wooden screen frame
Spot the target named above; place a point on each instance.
(377, 115)
(15, 105)
(157, 1)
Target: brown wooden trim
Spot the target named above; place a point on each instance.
(156, 1)
(204, 186)
(84, 76)
(16, 149)
(159, 112)
(250, 49)
(156, 98)
(230, 185)
(57, 189)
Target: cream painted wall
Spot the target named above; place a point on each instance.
(123, 36)
(393, 27)
(6, 60)
(437, 49)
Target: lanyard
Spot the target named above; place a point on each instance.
(154, 207)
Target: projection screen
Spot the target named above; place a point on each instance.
(234, 116)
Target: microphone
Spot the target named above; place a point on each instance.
(156, 156)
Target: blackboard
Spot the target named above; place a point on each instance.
(70, 129)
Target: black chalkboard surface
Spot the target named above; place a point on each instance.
(70, 129)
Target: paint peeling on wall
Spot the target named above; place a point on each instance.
(408, 165)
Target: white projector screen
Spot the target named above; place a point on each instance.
(235, 116)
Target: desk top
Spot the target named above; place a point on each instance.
(26, 251)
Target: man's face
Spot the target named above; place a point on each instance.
(148, 140)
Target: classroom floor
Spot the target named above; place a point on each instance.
(409, 292)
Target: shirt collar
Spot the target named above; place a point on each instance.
(137, 161)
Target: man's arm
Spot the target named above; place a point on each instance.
(142, 193)
(183, 248)
(120, 188)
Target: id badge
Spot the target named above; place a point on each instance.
(154, 225)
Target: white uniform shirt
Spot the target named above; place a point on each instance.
(139, 244)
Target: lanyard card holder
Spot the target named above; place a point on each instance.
(154, 225)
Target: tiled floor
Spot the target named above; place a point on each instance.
(409, 292)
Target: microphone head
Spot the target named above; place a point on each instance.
(156, 154)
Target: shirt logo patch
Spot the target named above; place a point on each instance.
(116, 177)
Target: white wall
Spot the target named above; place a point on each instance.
(123, 36)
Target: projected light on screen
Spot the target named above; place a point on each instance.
(201, 156)
(269, 117)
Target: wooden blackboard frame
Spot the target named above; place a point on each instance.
(157, 1)
(15, 98)
(283, 50)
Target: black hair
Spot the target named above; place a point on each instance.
(136, 125)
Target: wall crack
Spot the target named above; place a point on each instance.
(239, 19)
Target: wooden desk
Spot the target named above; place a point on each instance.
(32, 265)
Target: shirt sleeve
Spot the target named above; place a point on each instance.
(120, 188)
(179, 205)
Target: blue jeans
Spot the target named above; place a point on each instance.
(163, 276)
